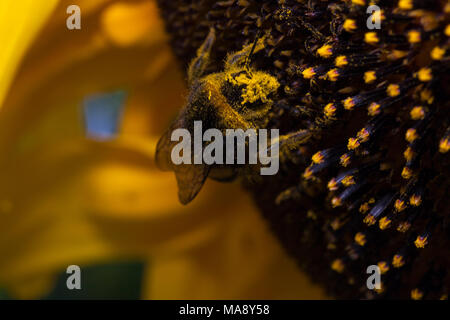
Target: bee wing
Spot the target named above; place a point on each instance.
(190, 177)
(165, 144)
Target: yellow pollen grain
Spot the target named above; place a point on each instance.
(325, 51)
(411, 135)
(336, 202)
(399, 205)
(416, 294)
(427, 96)
(360, 239)
(437, 53)
(317, 157)
(363, 135)
(384, 267)
(370, 76)
(341, 61)
(447, 30)
(398, 261)
(415, 200)
(407, 173)
(308, 73)
(425, 74)
(332, 185)
(359, 2)
(384, 223)
(353, 143)
(405, 4)
(444, 145)
(393, 90)
(349, 103)
(344, 160)
(308, 173)
(333, 74)
(329, 110)
(350, 25)
(409, 154)
(338, 266)
(421, 242)
(348, 181)
(378, 16)
(364, 207)
(414, 36)
(374, 109)
(403, 227)
(369, 220)
(417, 113)
(371, 38)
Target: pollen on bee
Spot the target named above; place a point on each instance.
(411, 135)
(421, 242)
(353, 143)
(371, 38)
(329, 110)
(384, 223)
(425, 75)
(370, 76)
(416, 294)
(350, 25)
(437, 53)
(398, 261)
(447, 30)
(393, 90)
(417, 113)
(414, 36)
(338, 265)
(325, 51)
(341, 61)
(360, 238)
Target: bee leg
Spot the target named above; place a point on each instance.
(290, 143)
(199, 64)
(241, 58)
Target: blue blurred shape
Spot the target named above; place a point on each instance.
(102, 114)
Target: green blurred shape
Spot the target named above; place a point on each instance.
(118, 280)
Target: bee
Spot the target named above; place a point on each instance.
(239, 97)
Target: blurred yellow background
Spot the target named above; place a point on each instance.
(69, 199)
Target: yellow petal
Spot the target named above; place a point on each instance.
(27, 18)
